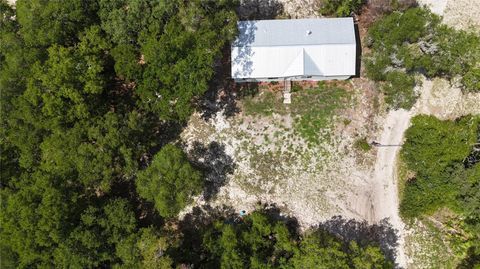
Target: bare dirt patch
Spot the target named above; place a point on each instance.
(276, 163)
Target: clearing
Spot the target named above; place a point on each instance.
(307, 157)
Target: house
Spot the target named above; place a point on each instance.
(298, 49)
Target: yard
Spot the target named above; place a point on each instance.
(301, 157)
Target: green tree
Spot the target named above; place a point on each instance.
(169, 181)
(320, 250)
(191, 42)
(432, 145)
(257, 242)
(434, 150)
(368, 257)
(93, 241)
(48, 22)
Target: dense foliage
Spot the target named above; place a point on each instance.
(406, 43)
(436, 151)
(94, 94)
(169, 181)
(87, 89)
(260, 241)
(340, 8)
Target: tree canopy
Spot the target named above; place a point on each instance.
(415, 42)
(169, 181)
(436, 151)
(91, 90)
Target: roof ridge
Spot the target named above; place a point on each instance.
(300, 54)
(294, 45)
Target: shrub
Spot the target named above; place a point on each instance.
(399, 90)
(398, 28)
(435, 150)
(417, 42)
(340, 8)
(376, 64)
(362, 144)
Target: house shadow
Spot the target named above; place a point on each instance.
(358, 51)
(215, 163)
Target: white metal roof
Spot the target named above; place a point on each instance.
(302, 47)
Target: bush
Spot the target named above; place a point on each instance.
(399, 28)
(362, 144)
(399, 90)
(416, 41)
(340, 8)
(435, 150)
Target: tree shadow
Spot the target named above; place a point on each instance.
(471, 260)
(474, 157)
(196, 224)
(192, 227)
(382, 234)
(215, 163)
(274, 213)
(242, 49)
(221, 95)
(222, 92)
(259, 9)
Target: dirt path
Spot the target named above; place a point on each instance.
(384, 182)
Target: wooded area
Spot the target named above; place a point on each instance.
(94, 95)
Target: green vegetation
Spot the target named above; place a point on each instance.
(316, 109)
(414, 41)
(169, 181)
(91, 90)
(94, 94)
(260, 241)
(362, 144)
(312, 109)
(436, 151)
(340, 8)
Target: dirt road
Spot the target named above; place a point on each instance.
(384, 182)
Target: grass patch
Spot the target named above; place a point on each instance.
(264, 104)
(362, 144)
(313, 110)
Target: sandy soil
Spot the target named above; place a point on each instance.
(460, 14)
(384, 180)
(463, 14)
(446, 101)
(301, 8)
(436, 6)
